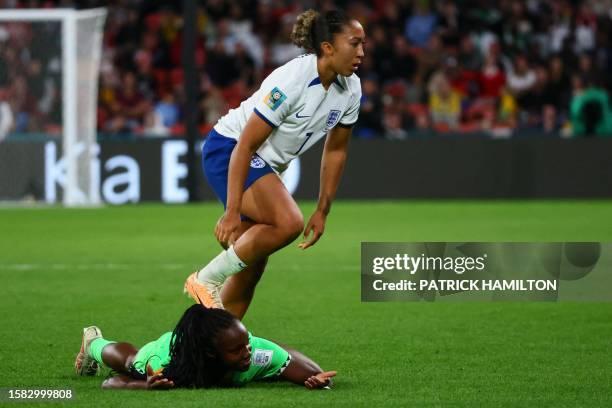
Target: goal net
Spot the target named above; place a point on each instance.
(49, 68)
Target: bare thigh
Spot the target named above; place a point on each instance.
(267, 201)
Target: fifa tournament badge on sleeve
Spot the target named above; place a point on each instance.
(275, 98)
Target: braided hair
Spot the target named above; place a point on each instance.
(194, 361)
(313, 28)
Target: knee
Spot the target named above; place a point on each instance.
(292, 226)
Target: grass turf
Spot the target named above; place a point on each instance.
(122, 268)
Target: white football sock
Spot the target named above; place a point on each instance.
(221, 267)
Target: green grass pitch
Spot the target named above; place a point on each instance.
(122, 268)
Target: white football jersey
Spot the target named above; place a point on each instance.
(293, 101)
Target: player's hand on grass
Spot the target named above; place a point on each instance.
(157, 381)
(226, 227)
(320, 380)
(316, 225)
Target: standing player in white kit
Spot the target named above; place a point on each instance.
(313, 96)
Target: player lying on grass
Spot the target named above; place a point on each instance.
(208, 348)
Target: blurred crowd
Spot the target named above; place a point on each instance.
(458, 66)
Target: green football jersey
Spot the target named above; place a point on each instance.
(268, 360)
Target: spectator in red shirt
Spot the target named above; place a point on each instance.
(492, 78)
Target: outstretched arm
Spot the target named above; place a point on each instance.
(153, 382)
(332, 166)
(302, 370)
(124, 382)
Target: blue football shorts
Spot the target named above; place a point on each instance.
(216, 154)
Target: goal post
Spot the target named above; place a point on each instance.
(81, 50)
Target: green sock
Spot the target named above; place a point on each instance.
(96, 347)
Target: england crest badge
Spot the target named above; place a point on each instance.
(332, 119)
